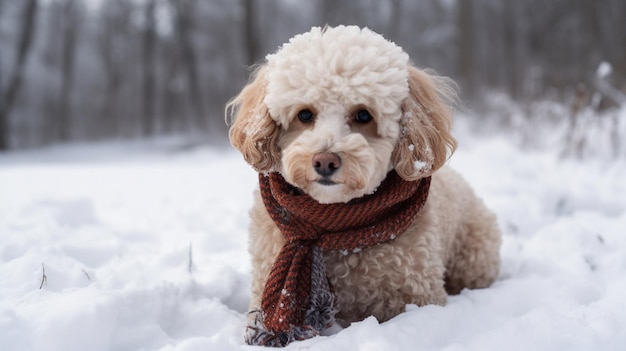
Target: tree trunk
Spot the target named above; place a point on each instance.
(112, 76)
(184, 30)
(148, 56)
(395, 21)
(252, 47)
(510, 49)
(466, 45)
(63, 114)
(8, 96)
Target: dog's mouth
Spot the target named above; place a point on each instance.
(326, 181)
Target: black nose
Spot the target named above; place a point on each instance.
(326, 163)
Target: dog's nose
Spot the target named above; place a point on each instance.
(326, 163)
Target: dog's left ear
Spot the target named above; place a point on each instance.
(253, 132)
(425, 141)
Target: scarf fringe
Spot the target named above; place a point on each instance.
(319, 315)
(321, 312)
(257, 334)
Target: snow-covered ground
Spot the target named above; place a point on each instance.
(142, 246)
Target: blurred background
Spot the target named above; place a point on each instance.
(83, 70)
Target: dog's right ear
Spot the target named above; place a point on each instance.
(253, 132)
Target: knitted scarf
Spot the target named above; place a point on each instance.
(298, 301)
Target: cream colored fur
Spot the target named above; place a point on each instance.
(334, 73)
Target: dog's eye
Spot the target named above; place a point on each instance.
(305, 116)
(363, 116)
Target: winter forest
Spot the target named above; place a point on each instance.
(81, 70)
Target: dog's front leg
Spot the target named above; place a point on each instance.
(265, 243)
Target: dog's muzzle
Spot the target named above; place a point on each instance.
(326, 164)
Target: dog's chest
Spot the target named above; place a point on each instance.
(377, 281)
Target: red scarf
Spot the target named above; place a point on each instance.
(297, 301)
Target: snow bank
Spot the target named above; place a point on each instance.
(145, 249)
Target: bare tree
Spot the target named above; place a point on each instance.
(395, 20)
(8, 95)
(510, 50)
(250, 32)
(112, 76)
(70, 23)
(169, 102)
(184, 11)
(149, 65)
(115, 18)
(466, 43)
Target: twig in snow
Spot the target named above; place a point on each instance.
(44, 278)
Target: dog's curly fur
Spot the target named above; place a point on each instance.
(336, 74)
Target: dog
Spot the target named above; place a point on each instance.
(335, 112)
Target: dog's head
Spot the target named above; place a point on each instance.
(336, 109)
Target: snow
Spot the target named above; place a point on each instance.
(144, 248)
(604, 69)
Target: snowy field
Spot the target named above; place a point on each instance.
(142, 246)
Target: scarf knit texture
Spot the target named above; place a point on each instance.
(298, 301)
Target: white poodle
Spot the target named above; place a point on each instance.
(356, 216)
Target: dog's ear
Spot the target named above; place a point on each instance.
(253, 132)
(425, 140)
